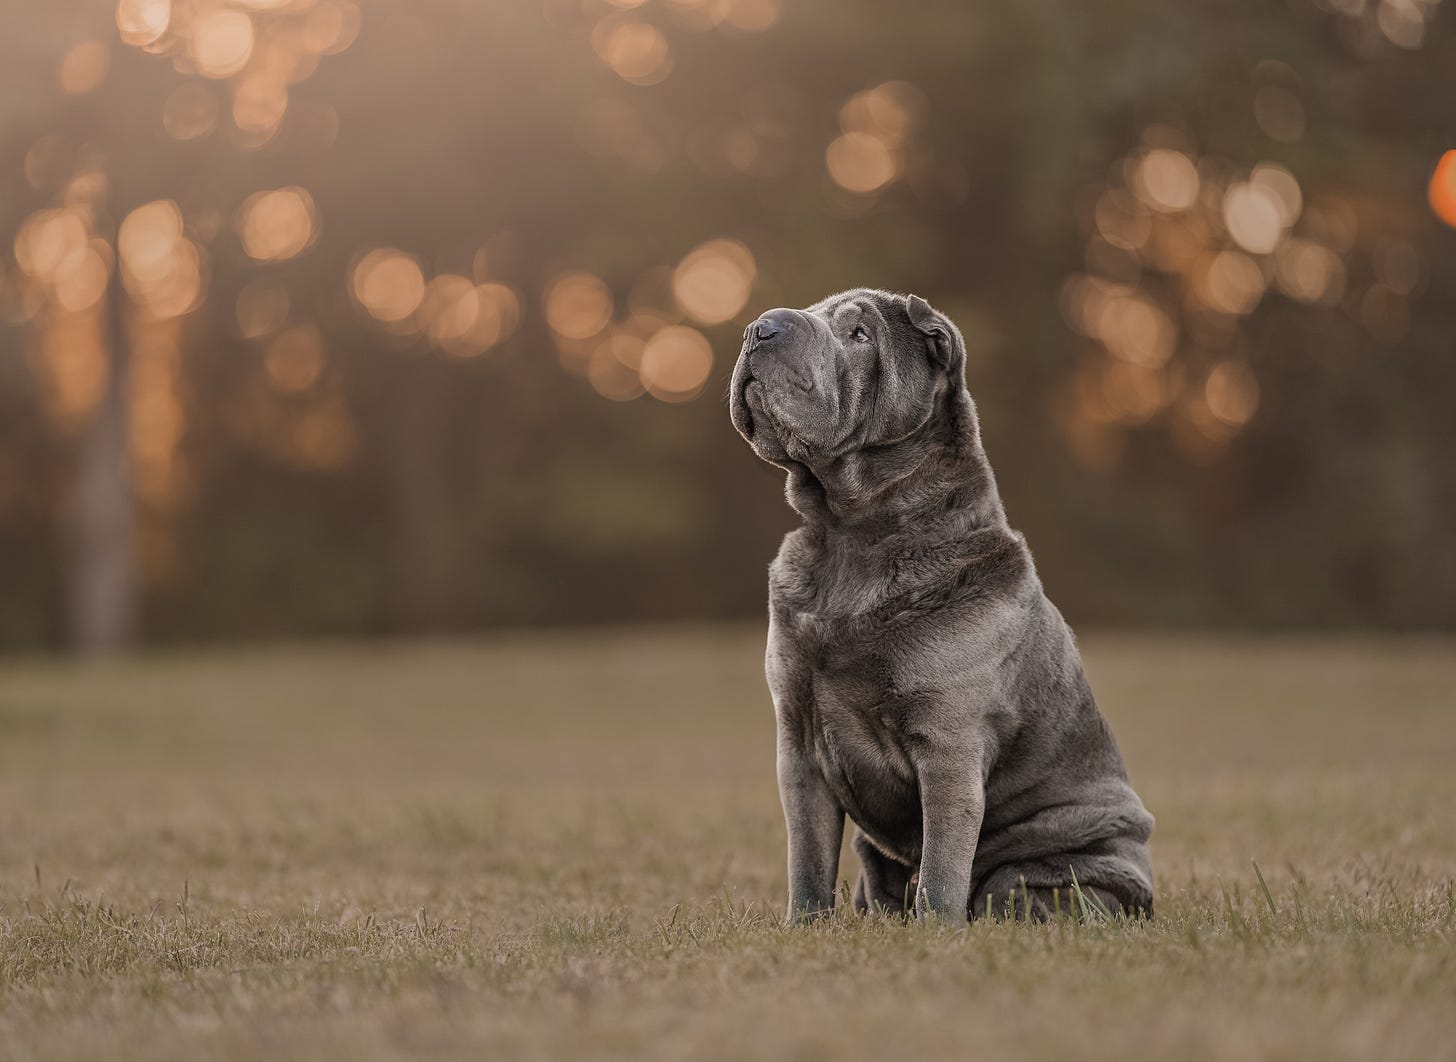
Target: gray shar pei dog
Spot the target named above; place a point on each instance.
(923, 683)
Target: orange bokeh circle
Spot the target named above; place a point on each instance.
(1443, 189)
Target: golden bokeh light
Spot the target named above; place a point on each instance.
(507, 301)
(142, 22)
(627, 348)
(1107, 393)
(221, 42)
(1178, 243)
(1137, 330)
(1167, 180)
(20, 303)
(578, 306)
(280, 53)
(277, 225)
(46, 239)
(1442, 190)
(1309, 271)
(1232, 393)
(388, 284)
(1233, 283)
(262, 308)
(1081, 300)
(190, 111)
(86, 189)
(875, 124)
(294, 359)
(505, 304)
(179, 291)
(467, 319)
(1221, 240)
(609, 375)
(330, 27)
(147, 239)
(259, 103)
(451, 307)
(676, 363)
(887, 112)
(1402, 21)
(750, 16)
(713, 282)
(860, 162)
(80, 280)
(1284, 186)
(1121, 219)
(636, 51)
(1254, 216)
(697, 16)
(85, 67)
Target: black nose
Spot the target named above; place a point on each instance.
(775, 323)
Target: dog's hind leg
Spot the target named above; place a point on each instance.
(884, 883)
(1027, 892)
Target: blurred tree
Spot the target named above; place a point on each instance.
(111, 266)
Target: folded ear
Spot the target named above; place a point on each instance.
(943, 339)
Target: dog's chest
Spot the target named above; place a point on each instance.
(858, 726)
(854, 719)
(838, 684)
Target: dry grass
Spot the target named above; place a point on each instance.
(570, 845)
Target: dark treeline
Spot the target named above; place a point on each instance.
(325, 318)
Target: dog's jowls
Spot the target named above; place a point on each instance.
(923, 683)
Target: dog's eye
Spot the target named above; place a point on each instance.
(859, 335)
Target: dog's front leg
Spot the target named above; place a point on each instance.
(816, 828)
(953, 801)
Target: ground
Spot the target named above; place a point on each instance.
(569, 845)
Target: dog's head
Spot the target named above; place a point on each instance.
(862, 369)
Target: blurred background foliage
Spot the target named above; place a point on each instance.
(325, 317)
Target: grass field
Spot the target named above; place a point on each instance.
(569, 845)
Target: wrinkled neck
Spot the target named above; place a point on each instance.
(938, 474)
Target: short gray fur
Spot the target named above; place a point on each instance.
(923, 683)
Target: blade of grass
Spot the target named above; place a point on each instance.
(1264, 885)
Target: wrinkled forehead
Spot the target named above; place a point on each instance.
(851, 306)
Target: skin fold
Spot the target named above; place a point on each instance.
(923, 684)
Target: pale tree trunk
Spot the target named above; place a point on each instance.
(101, 580)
